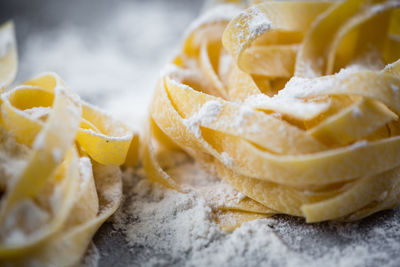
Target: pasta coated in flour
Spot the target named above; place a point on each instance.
(295, 104)
(59, 174)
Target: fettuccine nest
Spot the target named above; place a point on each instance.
(295, 104)
(59, 174)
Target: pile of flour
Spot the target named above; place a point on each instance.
(162, 227)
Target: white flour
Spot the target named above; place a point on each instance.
(186, 220)
(256, 22)
(226, 159)
(167, 227)
(206, 115)
(92, 257)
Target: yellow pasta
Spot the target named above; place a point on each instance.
(294, 104)
(67, 181)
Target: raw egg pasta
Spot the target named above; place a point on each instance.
(295, 104)
(60, 178)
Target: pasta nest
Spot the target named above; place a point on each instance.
(59, 174)
(294, 104)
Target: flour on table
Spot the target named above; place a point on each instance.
(92, 257)
(170, 228)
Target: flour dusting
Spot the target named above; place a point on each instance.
(92, 256)
(206, 115)
(226, 159)
(170, 228)
(255, 22)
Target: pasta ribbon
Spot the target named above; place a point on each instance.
(67, 181)
(8, 55)
(294, 104)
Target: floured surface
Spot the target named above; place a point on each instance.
(112, 62)
(160, 227)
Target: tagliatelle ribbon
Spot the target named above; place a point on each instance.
(70, 182)
(8, 55)
(290, 104)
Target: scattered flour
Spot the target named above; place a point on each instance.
(287, 103)
(241, 118)
(23, 219)
(255, 21)
(226, 159)
(357, 112)
(167, 222)
(85, 169)
(259, 22)
(57, 154)
(38, 113)
(92, 257)
(206, 115)
(163, 227)
(13, 158)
